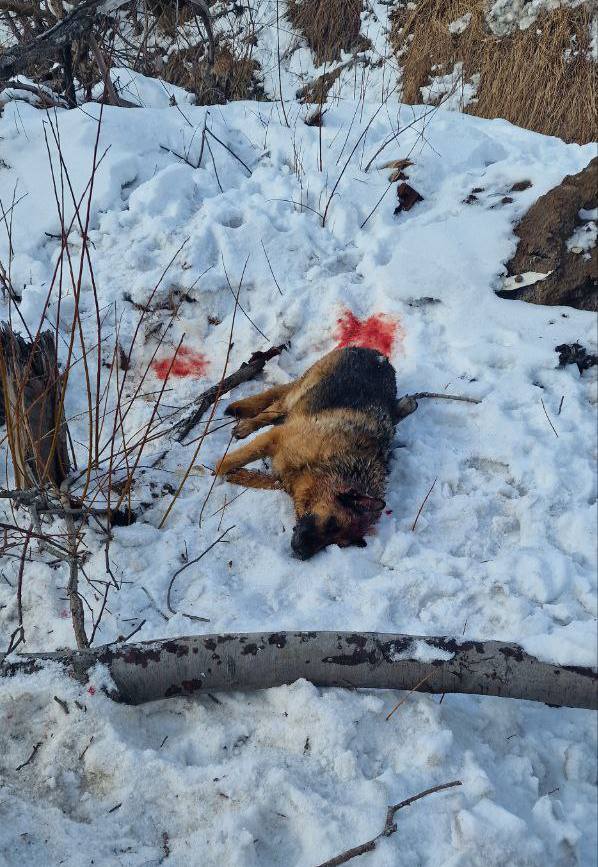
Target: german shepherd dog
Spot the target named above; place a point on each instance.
(329, 446)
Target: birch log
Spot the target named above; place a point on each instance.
(152, 670)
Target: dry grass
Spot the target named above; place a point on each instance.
(329, 26)
(231, 78)
(317, 90)
(541, 78)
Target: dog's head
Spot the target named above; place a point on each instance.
(333, 516)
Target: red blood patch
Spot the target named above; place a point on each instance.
(376, 332)
(91, 690)
(186, 363)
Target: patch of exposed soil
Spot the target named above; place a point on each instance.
(543, 234)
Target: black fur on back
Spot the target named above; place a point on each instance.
(363, 379)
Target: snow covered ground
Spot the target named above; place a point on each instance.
(505, 547)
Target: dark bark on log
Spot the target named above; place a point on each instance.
(153, 670)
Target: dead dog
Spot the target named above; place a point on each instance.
(329, 445)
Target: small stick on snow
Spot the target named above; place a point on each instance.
(191, 563)
(389, 826)
(62, 703)
(561, 405)
(270, 267)
(405, 697)
(227, 148)
(423, 504)
(134, 632)
(434, 394)
(81, 755)
(548, 417)
(31, 757)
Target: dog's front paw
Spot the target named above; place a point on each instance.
(223, 466)
(237, 409)
(243, 429)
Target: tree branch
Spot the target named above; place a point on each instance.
(247, 371)
(152, 670)
(389, 827)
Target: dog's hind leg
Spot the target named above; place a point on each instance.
(257, 403)
(254, 479)
(262, 446)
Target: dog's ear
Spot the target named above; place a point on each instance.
(360, 503)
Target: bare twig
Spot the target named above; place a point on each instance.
(99, 617)
(423, 504)
(62, 703)
(437, 395)
(109, 88)
(137, 629)
(548, 417)
(561, 405)
(227, 148)
(270, 267)
(217, 397)
(405, 697)
(76, 606)
(18, 636)
(31, 757)
(284, 111)
(389, 826)
(191, 563)
(247, 371)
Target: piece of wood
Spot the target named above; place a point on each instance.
(152, 670)
(390, 826)
(30, 394)
(247, 371)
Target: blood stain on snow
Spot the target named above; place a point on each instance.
(91, 690)
(378, 331)
(186, 362)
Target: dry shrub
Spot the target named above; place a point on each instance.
(168, 15)
(230, 78)
(329, 26)
(317, 90)
(541, 78)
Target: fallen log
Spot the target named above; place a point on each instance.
(152, 670)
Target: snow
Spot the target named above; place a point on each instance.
(505, 16)
(585, 235)
(504, 548)
(453, 91)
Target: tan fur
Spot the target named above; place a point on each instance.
(254, 479)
